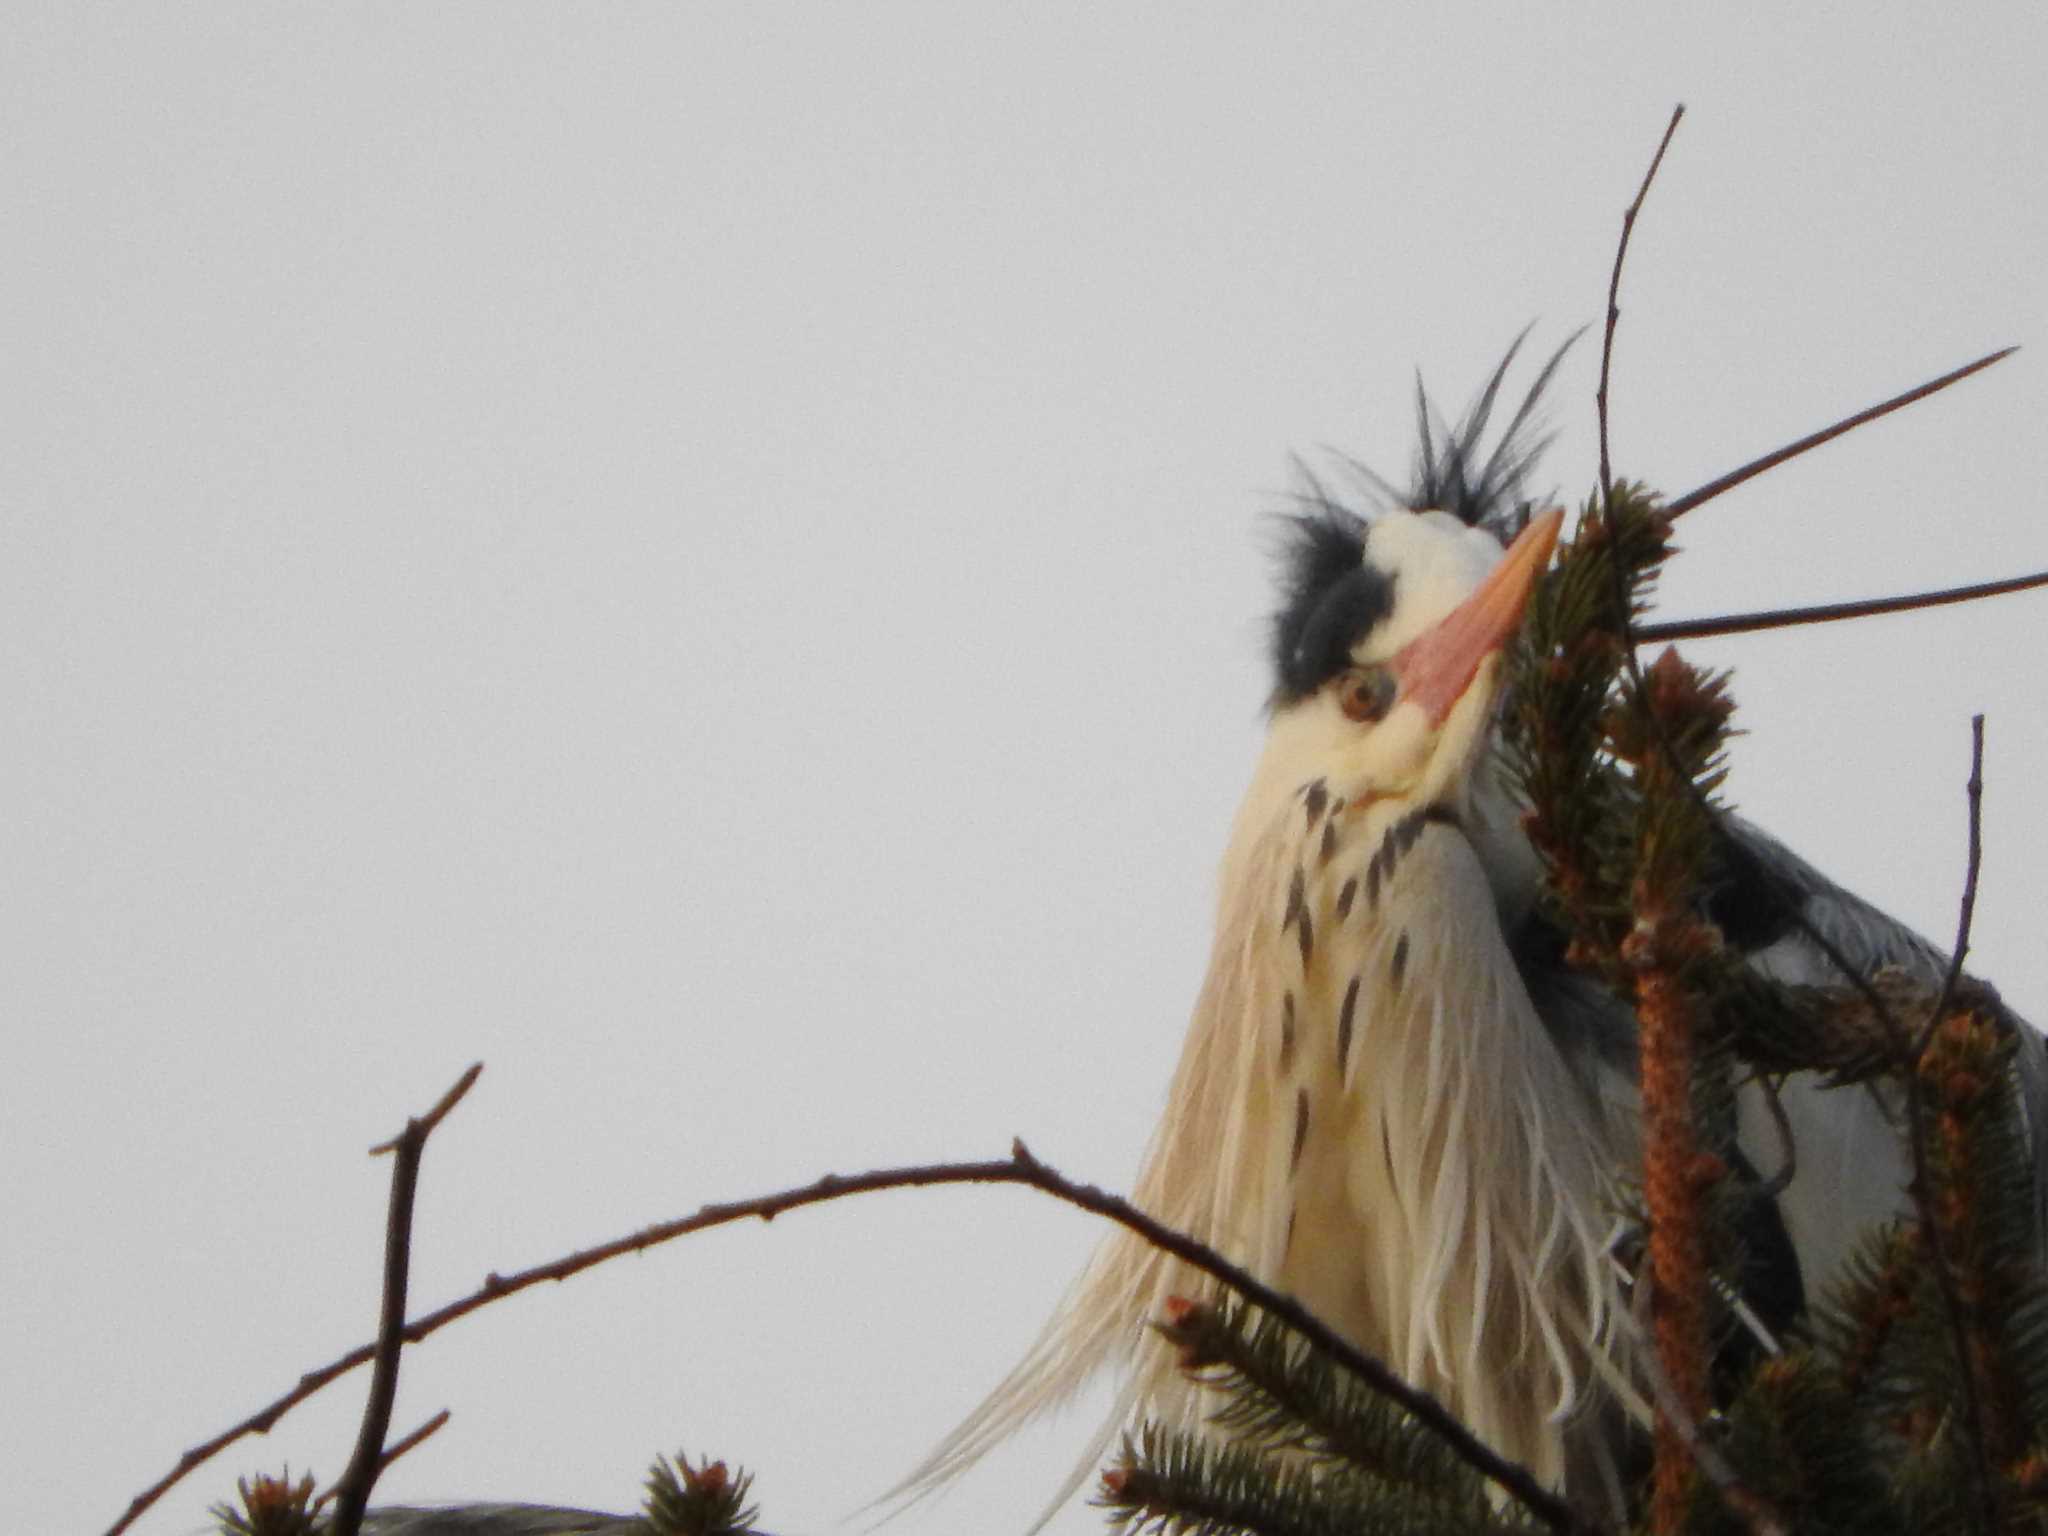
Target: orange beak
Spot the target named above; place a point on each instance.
(1438, 665)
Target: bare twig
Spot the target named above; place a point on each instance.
(1754, 1511)
(1781, 1122)
(392, 1452)
(1628, 225)
(261, 1422)
(1828, 613)
(352, 1491)
(431, 1120)
(426, 1431)
(1019, 1168)
(1966, 913)
(1772, 460)
(1914, 1050)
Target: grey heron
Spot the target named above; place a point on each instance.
(1395, 1101)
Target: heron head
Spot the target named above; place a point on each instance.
(1388, 648)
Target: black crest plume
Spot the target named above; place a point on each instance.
(1329, 596)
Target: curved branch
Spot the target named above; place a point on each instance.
(1019, 1168)
(1628, 227)
(1829, 613)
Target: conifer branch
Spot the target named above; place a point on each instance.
(1279, 1394)
(1939, 1240)
(1804, 1443)
(1665, 941)
(1879, 1299)
(698, 1500)
(1178, 1484)
(271, 1506)
(1757, 1514)
(1681, 718)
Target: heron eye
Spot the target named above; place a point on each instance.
(1366, 693)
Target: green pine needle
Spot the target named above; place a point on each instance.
(701, 1500)
(1280, 1395)
(271, 1506)
(1170, 1484)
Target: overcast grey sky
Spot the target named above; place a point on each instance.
(710, 558)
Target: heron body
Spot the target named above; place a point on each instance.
(1364, 1064)
(1369, 1111)
(1394, 1101)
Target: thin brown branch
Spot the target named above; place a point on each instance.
(352, 1491)
(1019, 1168)
(1925, 1205)
(1510, 1477)
(261, 1421)
(426, 1431)
(1781, 1122)
(1772, 460)
(392, 1452)
(1752, 1509)
(1966, 913)
(1628, 225)
(433, 1117)
(1828, 613)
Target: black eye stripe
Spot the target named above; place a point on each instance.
(1330, 600)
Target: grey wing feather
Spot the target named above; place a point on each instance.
(498, 1520)
(1762, 876)
(1869, 941)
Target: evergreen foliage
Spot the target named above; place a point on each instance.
(1176, 1484)
(1283, 1396)
(704, 1500)
(271, 1506)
